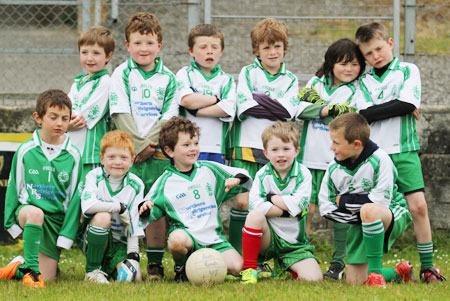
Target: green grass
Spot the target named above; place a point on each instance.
(70, 284)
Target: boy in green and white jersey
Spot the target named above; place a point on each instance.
(109, 202)
(142, 97)
(279, 200)
(392, 95)
(359, 189)
(189, 194)
(207, 94)
(42, 202)
(89, 94)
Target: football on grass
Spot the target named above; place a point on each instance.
(206, 266)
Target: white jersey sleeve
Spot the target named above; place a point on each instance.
(119, 95)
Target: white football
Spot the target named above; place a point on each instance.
(127, 272)
(206, 266)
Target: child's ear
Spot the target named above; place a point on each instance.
(190, 52)
(358, 144)
(37, 118)
(265, 153)
(109, 56)
(168, 151)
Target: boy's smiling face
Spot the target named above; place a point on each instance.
(281, 154)
(93, 58)
(116, 161)
(143, 49)
(378, 52)
(185, 152)
(206, 52)
(342, 148)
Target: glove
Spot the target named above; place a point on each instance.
(310, 95)
(338, 110)
(126, 220)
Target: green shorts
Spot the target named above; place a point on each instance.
(220, 247)
(149, 171)
(356, 249)
(251, 167)
(317, 176)
(409, 168)
(285, 253)
(50, 232)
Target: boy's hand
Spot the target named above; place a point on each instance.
(231, 182)
(126, 220)
(416, 113)
(337, 200)
(338, 110)
(146, 153)
(310, 95)
(77, 122)
(144, 208)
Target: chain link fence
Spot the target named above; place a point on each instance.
(38, 39)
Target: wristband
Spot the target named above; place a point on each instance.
(134, 256)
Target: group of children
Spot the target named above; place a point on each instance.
(154, 175)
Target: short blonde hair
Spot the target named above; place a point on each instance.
(118, 139)
(354, 127)
(283, 130)
(144, 23)
(370, 31)
(97, 35)
(270, 31)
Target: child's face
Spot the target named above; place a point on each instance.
(271, 56)
(342, 148)
(345, 72)
(143, 49)
(54, 123)
(93, 58)
(116, 161)
(378, 52)
(185, 152)
(206, 52)
(281, 154)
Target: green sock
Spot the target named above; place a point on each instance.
(340, 243)
(426, 254)
(155, 255)
(31, 243)
(373, 237)
(97, 238)
(390, 274)
(237, 222)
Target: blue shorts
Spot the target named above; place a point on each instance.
(219, 158)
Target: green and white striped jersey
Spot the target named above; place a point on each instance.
(315, 141)
(131, 194)
(213, 129)
(375, 177)
(254, 79)
(90, 99)
(192, 202)
(147, 96)
(295, 190)
(52, 185)
(401, 81)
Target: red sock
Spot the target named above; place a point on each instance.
(251, 243)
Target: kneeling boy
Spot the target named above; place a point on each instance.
(189, 193)
(359, 188)
(279, 201)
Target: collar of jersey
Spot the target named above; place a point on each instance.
(328, 83)
(281, 183)
(352, 167)
(79, 79)
(173, 169)
(392, 66)
(214, 71)
(147, 74)
(269, 76)
(38, 141)
(126, 181)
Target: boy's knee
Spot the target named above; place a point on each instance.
(369, 212)
(417, 205)
(241, 202)
(33, 215)
(101, 219)
(177, 241)
(255, 219)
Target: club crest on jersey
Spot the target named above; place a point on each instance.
(113, 98)
(366, 184)
(63, 176)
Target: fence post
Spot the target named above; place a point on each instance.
(86, 19)
(193, 13)
(207, 11)
(410, 30)
(396, 28)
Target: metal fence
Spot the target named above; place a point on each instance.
(38, 39)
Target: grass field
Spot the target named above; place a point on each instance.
(70, 284)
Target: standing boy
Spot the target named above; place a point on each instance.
(141, 99)
(109, 203)
(207, 94)
(266, 92)
(279, 200)
(89, 95)
(42, 202)
(392, 97)
(359, 188)
(190, 193)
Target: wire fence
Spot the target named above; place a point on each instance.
(38, 39)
